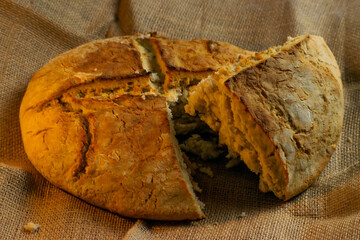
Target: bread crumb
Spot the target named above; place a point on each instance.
(195, 165)
(154, 77)
(207, 170)
(196, 187)
(243, 214)
(198, 166)
(32, 227)
(233, 162)
(200, 147)
(349, 139)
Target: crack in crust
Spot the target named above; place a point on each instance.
(81, 169)
(97, 84)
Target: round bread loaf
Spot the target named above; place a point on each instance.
(95, 122)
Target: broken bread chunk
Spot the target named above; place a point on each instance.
(205, 149)
(281, 110)
(96, 122)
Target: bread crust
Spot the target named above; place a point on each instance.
(296, 97)
(181, 59)
(82, 65)
(93, 124)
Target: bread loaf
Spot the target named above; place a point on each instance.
(95, 122)
(281, 110)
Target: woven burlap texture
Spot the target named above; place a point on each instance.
(34, 31)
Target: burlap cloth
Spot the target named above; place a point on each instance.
(34, 31)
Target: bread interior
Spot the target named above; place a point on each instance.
(238, 131)
(150, 63)
(176, 92)
(182, 125)
(227, 115)
(216, 106)
(185, 169)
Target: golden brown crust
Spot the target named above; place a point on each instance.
(101, 59)
(131, 148)
(197, 58)
(198, 55)
(114, 154)
(93, 124)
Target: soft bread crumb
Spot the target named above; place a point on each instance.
(200, 147)
(196, 187)
(207, 170)
(198, 166)
(154, 77)
(32, 227)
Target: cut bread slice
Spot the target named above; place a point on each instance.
(95, 122)
(280, 110)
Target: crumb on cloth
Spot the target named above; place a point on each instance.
(196, 187)
(206, 170)
(32, 227)
(233, 162)
(243, 214)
